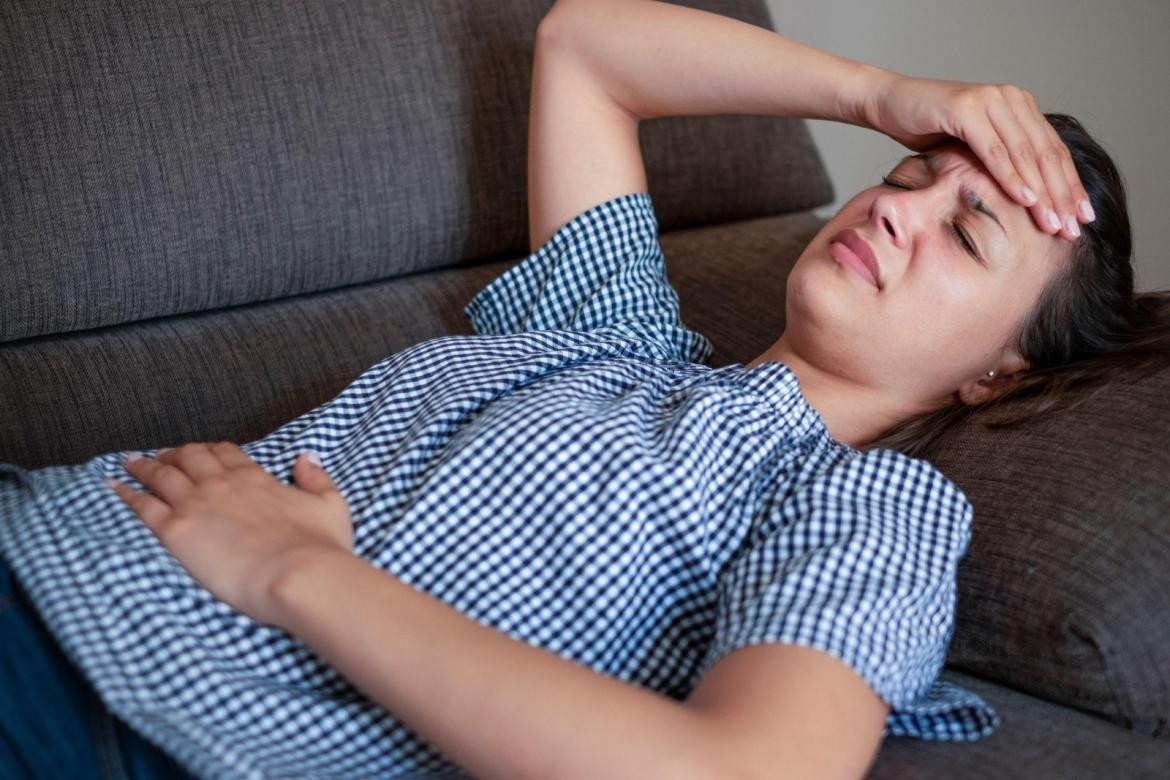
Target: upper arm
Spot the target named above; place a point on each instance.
(582, 144)
(786, 706)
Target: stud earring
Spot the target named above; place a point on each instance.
(991, 373)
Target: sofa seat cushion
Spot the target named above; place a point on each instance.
(1038, 739)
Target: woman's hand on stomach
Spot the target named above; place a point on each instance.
(232, 524)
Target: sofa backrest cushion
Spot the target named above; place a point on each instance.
(1065, 588)
(161, 159)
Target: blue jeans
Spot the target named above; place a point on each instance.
(52, 723)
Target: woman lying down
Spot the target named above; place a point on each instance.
(565, 547)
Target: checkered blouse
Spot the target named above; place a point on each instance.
(572, 476)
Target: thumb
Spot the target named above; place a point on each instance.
(310, 475)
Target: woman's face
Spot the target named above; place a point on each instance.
(942, 316)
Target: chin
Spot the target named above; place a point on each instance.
(819, 294)
(825, 321)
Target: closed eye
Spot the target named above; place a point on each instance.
(956, 224)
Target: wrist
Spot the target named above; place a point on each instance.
(298, 576)
(860, 103)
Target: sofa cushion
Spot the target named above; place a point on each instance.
(161, 159)
(232, 374)
(1064, 588)
(1038, 739)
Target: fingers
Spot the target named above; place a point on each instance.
(174, 473)
(152, 511)
(1055, 164)
(230, 455)
(197, 460)
(312, 476)
(1027, 157)
(166, 481)
(1009, 157)
(1014, 166)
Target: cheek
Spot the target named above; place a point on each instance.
(963, 327)
(945, 308)
(855, 210)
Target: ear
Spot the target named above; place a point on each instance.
(981, 389)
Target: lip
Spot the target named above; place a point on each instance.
(859, 248)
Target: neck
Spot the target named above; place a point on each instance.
(854, 414)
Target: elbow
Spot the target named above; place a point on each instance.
(550, 30)
(566, 18)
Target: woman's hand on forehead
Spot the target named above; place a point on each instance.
(1006, 131)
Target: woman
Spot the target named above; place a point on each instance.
(499, 518)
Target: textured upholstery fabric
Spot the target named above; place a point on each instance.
(164, 158)
(230, 374)
(1064, 590)
(1038, 740)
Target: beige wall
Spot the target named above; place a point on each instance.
(1107, 62)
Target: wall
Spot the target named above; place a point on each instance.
(1107, 63)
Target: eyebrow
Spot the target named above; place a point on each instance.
(971, 197)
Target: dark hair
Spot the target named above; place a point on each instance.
(1087, 330)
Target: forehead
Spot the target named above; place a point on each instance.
(1023, 235)
(958, 157)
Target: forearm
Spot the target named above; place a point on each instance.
(495, 705)
(658, 59)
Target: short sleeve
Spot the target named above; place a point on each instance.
(602, 271)
(861, 562)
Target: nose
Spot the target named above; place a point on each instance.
(899, 214)
(887, 214)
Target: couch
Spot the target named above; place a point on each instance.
(214, 216)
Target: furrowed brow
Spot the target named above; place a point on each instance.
(971, 198)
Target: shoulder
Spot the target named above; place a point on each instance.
(888, 493)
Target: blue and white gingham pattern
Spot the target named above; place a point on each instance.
(602, 272)
(570, 476)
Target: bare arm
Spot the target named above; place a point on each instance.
(603, 65)
(500, 707)
(497, 706)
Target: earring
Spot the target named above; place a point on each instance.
(991, 373)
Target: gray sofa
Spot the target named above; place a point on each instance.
(214, 216)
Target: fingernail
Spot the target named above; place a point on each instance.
(1029, 196)
(110, 482)
(1071, 223)
(1086, 210)
(313, 457)
(1053, 220)
(133, 456)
